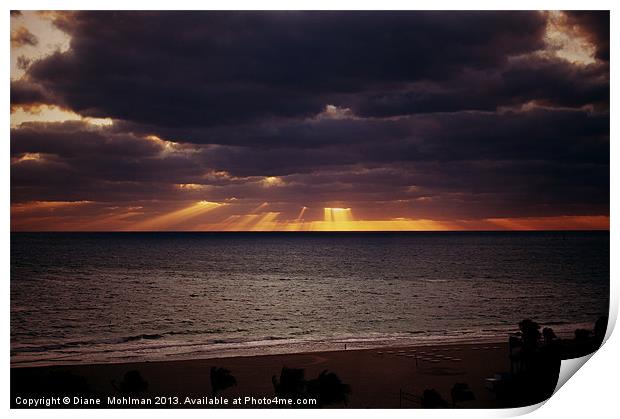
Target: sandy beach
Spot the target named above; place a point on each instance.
(376, 376)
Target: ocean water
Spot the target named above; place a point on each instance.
(118, 297)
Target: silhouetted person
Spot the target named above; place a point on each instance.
(221, 379)
(132, 383)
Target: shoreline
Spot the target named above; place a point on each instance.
(161, 349)
(276, 349)
(376, 376)
(215, 356)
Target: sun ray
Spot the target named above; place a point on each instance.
(171, 219)
(301, 214)
(266, 222)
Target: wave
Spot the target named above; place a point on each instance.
(172, 345)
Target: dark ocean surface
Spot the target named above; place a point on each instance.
(119, 297)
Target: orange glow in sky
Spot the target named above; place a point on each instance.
(337, 215)
(216, 216)
(169, 220)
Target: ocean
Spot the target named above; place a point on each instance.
(122, 297)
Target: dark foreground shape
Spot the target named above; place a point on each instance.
(387, 380)
(132, 385)
(461, 393)
(52, 383)
(55, 382)
(327, 388)
(221, 379)
(431, 399)
(535, 360)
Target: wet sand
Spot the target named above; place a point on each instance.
(376, 376)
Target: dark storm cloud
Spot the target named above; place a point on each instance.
(180, 69)
(76, 159)
(538, 134)
(289, 133)
(77, 139)
(535, 160)
(532, 79)
(456, 114)
(223, 68)
(24, 93)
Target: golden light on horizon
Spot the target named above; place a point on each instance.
(61, 215)
(267, 222)
(378, 225)
(341, 219)
(240, 222)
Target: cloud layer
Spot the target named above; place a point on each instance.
(457, 117)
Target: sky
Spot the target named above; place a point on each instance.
(309, 121)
